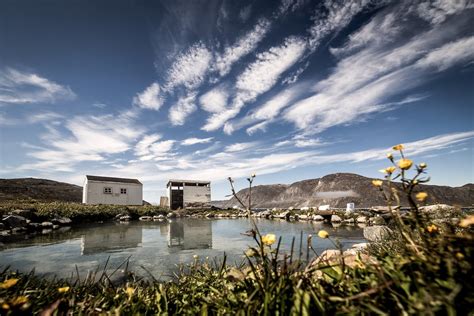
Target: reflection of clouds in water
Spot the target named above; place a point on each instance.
(147, 243)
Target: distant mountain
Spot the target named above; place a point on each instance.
(339, 189)
(39, 189)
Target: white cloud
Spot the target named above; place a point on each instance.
(259, 77)
(365, 82)
(245, 13)
(214, 101)
(151, 98)
(437, 11)
(194, 140)
(91, 138)
(142, 148)
(182, 109)
(239, 147)
(189, 68)
(338, 16)
(17, 87)
(262, 74)
(452, 53)
(242, 47)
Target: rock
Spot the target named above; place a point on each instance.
(5, 233)
(348, 213)
(34, 226)
(377, 220)
(62, 221)
(349, 221)
(360, 246)
(46, 231)
(303, 217)
(56, 226)
(436, 208)
(171, 215)
(335, 219)
(47, 225)
(318, 218)
(361, 219)
(145, 218)
(350, 257)
(14, 221)
(28, 214)
(376, 233)
(18, 230)
(125, 218)
(210, 215)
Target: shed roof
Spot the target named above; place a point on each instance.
(187, 181)
(112, 179)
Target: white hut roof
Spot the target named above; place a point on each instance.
(112, 179)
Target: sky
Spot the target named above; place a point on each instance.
(287, 89)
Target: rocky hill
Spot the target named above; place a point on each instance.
(339, 189)
(39, 189)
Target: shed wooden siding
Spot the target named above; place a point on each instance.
(93, 193)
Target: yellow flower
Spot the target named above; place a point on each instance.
(421, 196)
(423, 165)
(269, 239)
(405, 164)
(460, 256)
(390, 156)
(468, 221)
(8, 283)
(323, 234)
(20, 300)
(398, 147)
(377, 183)
(250, 252)
(432, 228)
(5, 306)
(63, 289)
(129, 290)
(388, 170)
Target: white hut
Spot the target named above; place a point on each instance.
(189, 193)
(109, 190)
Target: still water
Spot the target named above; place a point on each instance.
(158, 247)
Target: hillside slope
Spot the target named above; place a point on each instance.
(39, 189)
(339, 189)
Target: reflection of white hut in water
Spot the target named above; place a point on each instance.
(190, 234)
(113, 237)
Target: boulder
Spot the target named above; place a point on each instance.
(376, 233)
(145, 218)
(348, 213)
(47, 225)
(28, 214)
(361, 219)
(303, 217)
(61, 221)
(210, 215)
(336, 219)
(56, 226)
(360, 246)
(18, 230)
(349, 221)
(125, 218)
(14, 221)
(318, 218)
(377, 220)
(350, 257)
(34, 226)
(171, 215)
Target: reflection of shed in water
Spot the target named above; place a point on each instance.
(190, 234)
(111, 238)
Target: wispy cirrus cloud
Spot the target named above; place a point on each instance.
(194, 141)
(21, 87)
(244, 45)
(259, 77)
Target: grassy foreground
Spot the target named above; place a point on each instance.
(431, 276)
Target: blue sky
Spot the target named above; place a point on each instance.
(288, 89)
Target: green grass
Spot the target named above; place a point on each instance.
(431, 276)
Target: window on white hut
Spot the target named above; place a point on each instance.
(123, 191)
(107, 190)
